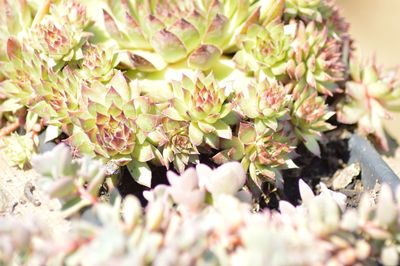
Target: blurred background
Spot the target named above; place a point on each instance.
(375, 27)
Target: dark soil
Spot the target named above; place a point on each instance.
(334, 158)
(126, 185)
(313, 169)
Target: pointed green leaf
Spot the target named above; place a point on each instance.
(143, 152)
(312, 145)
(140, 172)
(195, 134)
(173, 114)
(223, 130)
(168, 46)
(204, 57)
(247, 134)
(51, 133)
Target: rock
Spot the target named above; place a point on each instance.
(344, 177)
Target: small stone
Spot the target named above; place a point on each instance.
(111, 168)
(344, 177)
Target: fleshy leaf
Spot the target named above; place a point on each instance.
(140, 172)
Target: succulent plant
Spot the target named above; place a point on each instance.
(263, 154)
(305, 9)
(177, 147)
(265, 48)
(227, 179)
(185, 190)
(76, 183)
(18, 149)
(22, 71)
(115, 121)
(316, 59)
(16, 18)
(97, 62)
(202, 103)
(55, 41)
(168, 82)
(322, 12)
(370, 96)
(72, 12)
(59, 35)
(19, 240)
(158, 33)
(337, 26)
(265, 102)
(48, 93)
(309, 118)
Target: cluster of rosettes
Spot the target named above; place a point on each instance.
(202, 217)
(155, 34)
(172, 82)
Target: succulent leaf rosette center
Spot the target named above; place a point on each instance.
(116, 135)
(55, 38)
(267, 102)
(56, 41)
(202, 104)
(266, 49)
(265, 154)
(271, 152)
(177, 147)
(115, 123)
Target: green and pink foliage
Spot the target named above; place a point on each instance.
(19, 149)
(371, 95)
(115, 121)
(309, 118)
(97, 62)
(262, 153)
(202, 103)
(75, 182)
(176, 146)
(150, 83)
(265, 48)
(17, 17)
(265, 102)
(30, 80)
(316, 58)
(155, 34)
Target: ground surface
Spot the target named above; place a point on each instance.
(13, 200)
